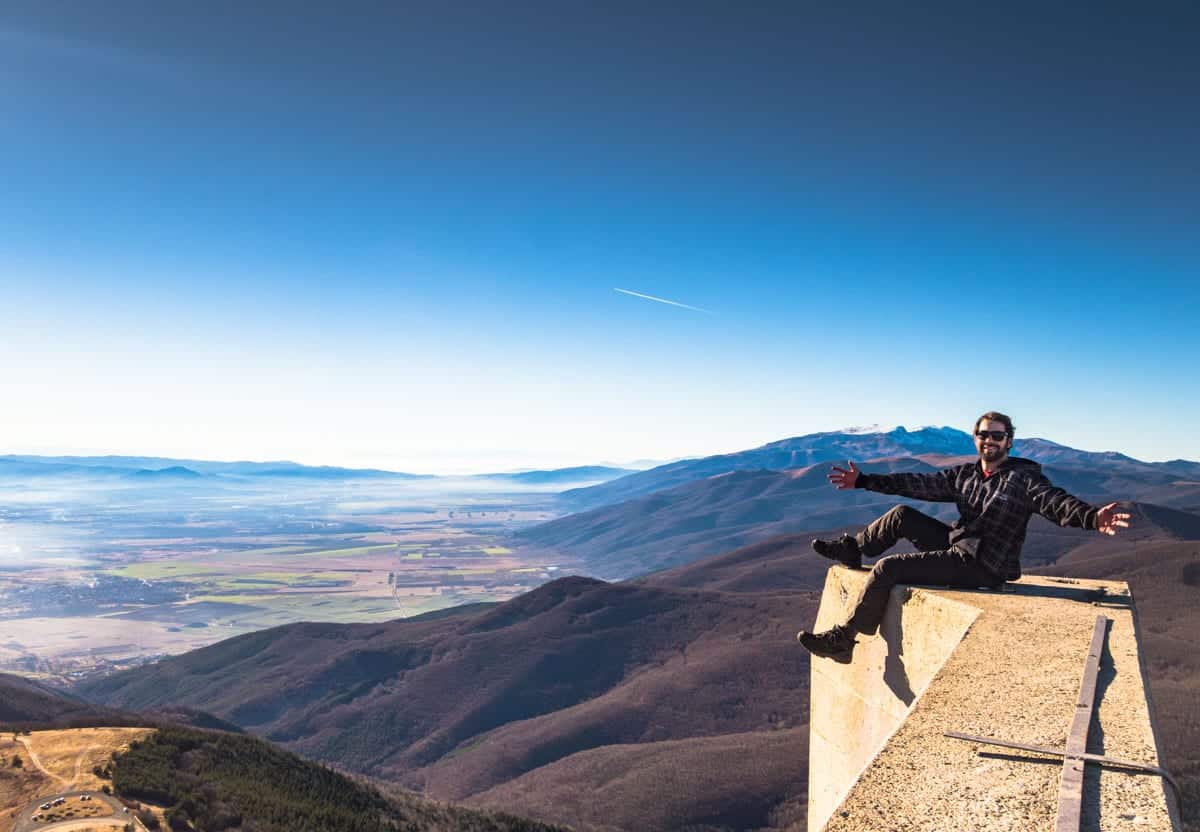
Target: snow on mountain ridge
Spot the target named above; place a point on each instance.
(865, 429)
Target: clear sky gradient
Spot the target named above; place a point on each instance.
(392, 234)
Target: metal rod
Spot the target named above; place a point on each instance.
(1089, 758)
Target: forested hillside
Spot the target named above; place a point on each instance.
(218, 781)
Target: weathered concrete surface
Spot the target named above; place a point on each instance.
(996, 664)
(855, 707)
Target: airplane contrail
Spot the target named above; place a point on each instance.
(662, 300)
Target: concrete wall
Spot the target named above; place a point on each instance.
(1004, 665)
(855, 707)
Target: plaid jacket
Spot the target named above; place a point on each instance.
(993, 512)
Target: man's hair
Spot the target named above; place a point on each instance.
(993, 416)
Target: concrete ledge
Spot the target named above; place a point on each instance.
(1000, 664)
(856, 707)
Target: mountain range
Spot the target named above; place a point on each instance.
(26, 704)
(578, 686)
(721, 511)
(678, 700)
(859, 444)
(19, 465)
(579, 473)
(163, 469)
(675, 698)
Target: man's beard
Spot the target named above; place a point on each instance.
(991, 452)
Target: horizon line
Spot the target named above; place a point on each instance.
(856, 431)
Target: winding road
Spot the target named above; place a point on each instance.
(117, 819)
(25, 822)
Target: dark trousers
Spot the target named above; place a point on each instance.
(934, 562)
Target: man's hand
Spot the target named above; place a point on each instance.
(841, 478)
(1108, 520)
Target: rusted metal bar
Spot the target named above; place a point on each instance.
(1070, 788)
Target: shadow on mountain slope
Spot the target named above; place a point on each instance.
(675, 700)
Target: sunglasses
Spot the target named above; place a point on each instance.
(994, 435)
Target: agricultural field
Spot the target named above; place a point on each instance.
(99, 581)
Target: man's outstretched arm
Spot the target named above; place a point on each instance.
(937, 487)
(1057, 506)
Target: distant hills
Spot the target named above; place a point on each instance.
(178, 472)
(163, 470)
(582, 473)
(796, 452)
(1051, 453)
(701, 518)
(608, 484)
(148, 467)
(221, 779)
(860, 444)
(509, 698)
(26, 704)
(678, 700)
(683, 511)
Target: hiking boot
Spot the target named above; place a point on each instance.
(844, 550)
(837, 643)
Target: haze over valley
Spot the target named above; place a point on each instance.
(111, 561)
(509, 641)
(105, 562)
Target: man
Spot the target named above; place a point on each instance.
(995, 498)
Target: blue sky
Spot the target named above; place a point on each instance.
(389, 233)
